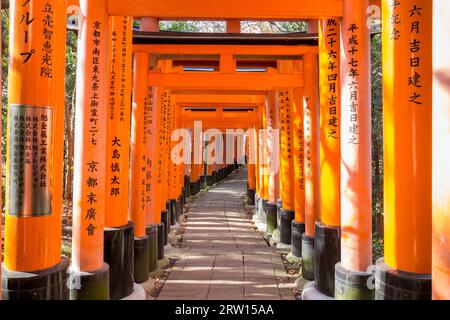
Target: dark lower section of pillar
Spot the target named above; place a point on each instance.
(327, 252)
(307, 255)
(251, 197)
(264, 210)
(48, 284)
(210, 180)
(161, 236)
(180, 204)
(141, 259)
(90, 285)
(187, 183)
(216, 176)
(152, 232)
(203, 182)
(199, 186)
(286, 218)
(171, 207)
(257, 205)
(279, 206)
(297, 232)
(351, 285)
(393, 284)
(271, 217)
(193, 188)
(165, 221)
(118, 254)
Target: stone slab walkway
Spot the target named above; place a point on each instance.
(223, 257)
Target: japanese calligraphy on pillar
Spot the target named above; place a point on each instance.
(27, 19)
(415, 79)
(30, 157)
(308, 138)
(92, 182)
(353, 85)
(332, 96)
(47, 47)
(149, 133)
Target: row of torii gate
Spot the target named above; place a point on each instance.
(133, 91)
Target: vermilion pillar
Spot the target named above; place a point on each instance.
(352, 274)
(407, 112)
(251, 166)
(118, 246)
(311, 160)
(34, 151)
(298, 224)
(441, 153)
(327, 237)
(287, 168)
(273, 161)
(154, 229)
(89, 273)
(139, 165)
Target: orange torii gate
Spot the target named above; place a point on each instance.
(33, 197)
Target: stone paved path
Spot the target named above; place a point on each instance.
(222, 256)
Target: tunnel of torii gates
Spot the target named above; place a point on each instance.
(133, 90)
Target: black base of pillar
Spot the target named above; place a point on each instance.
(192, 189)
(165, 221)
(286, 218)
(141, 259)
(271, 217)
(279, 206)
(264, 210)
(199, 186)
(307, 255)
(392, 284)
(257, 203)
(216, 176)
(179, 207)
(297, 231)
(327, 252)
(118, 254)
(173, 211)
(202, 182)
(210, 180)
(251, 197)
(152, 232)
(90, 285)
(48, 284)
(350, 285)
(187, 183)
(161, 236)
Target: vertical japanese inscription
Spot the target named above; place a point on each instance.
(92, 166)
(30, 155)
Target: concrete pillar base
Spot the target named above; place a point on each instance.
(175, 227)
(118, 254)
(137, 294)
(392, 284)
(293, 259)
(327, 252)
(49, 284)
(283, 247)
(350, 285)
(310, 292)
(275, 237)
(90, 285)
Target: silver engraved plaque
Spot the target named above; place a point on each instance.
(30, 167)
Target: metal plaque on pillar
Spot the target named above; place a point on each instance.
(30, 156)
